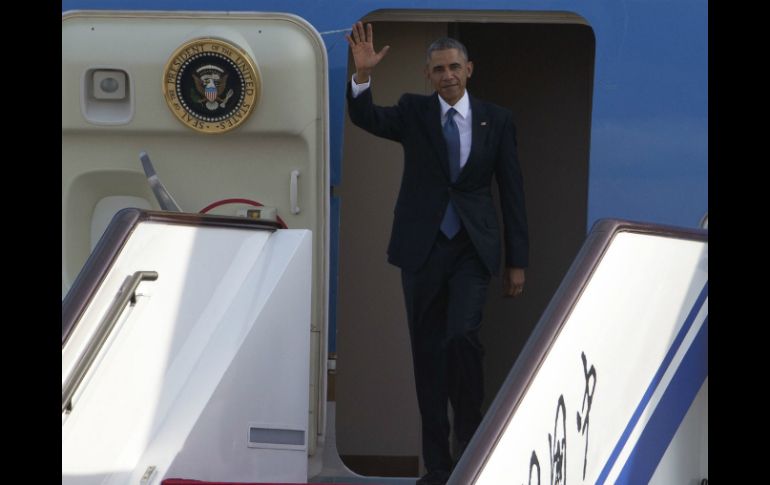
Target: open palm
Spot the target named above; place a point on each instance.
(362, 47)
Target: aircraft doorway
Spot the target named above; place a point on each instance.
(540, 65)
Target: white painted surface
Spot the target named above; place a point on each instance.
(625, 321)
(219, 341)
(287, 131)
(686, 458)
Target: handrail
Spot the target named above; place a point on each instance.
(126, 294)
(108, 248)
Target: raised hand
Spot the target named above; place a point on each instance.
(362, 46)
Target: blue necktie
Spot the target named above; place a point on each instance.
(450, 225)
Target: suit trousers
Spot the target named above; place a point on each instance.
(444, 301)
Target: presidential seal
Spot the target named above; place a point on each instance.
(211, 85)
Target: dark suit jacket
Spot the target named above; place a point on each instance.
(425, 187)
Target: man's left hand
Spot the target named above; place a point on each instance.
(513, 282)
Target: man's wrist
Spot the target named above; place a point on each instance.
(362, 77)
(357, 87)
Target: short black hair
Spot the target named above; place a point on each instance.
(443, 44)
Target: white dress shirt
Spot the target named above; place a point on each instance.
(463, 118)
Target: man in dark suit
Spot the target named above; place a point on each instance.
(445, 235)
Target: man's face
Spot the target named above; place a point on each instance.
(448, 72)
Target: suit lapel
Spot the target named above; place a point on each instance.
(435, 133)
(479, 132)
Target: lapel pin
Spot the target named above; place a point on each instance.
(483, 123)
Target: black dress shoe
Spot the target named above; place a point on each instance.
(436, 477)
